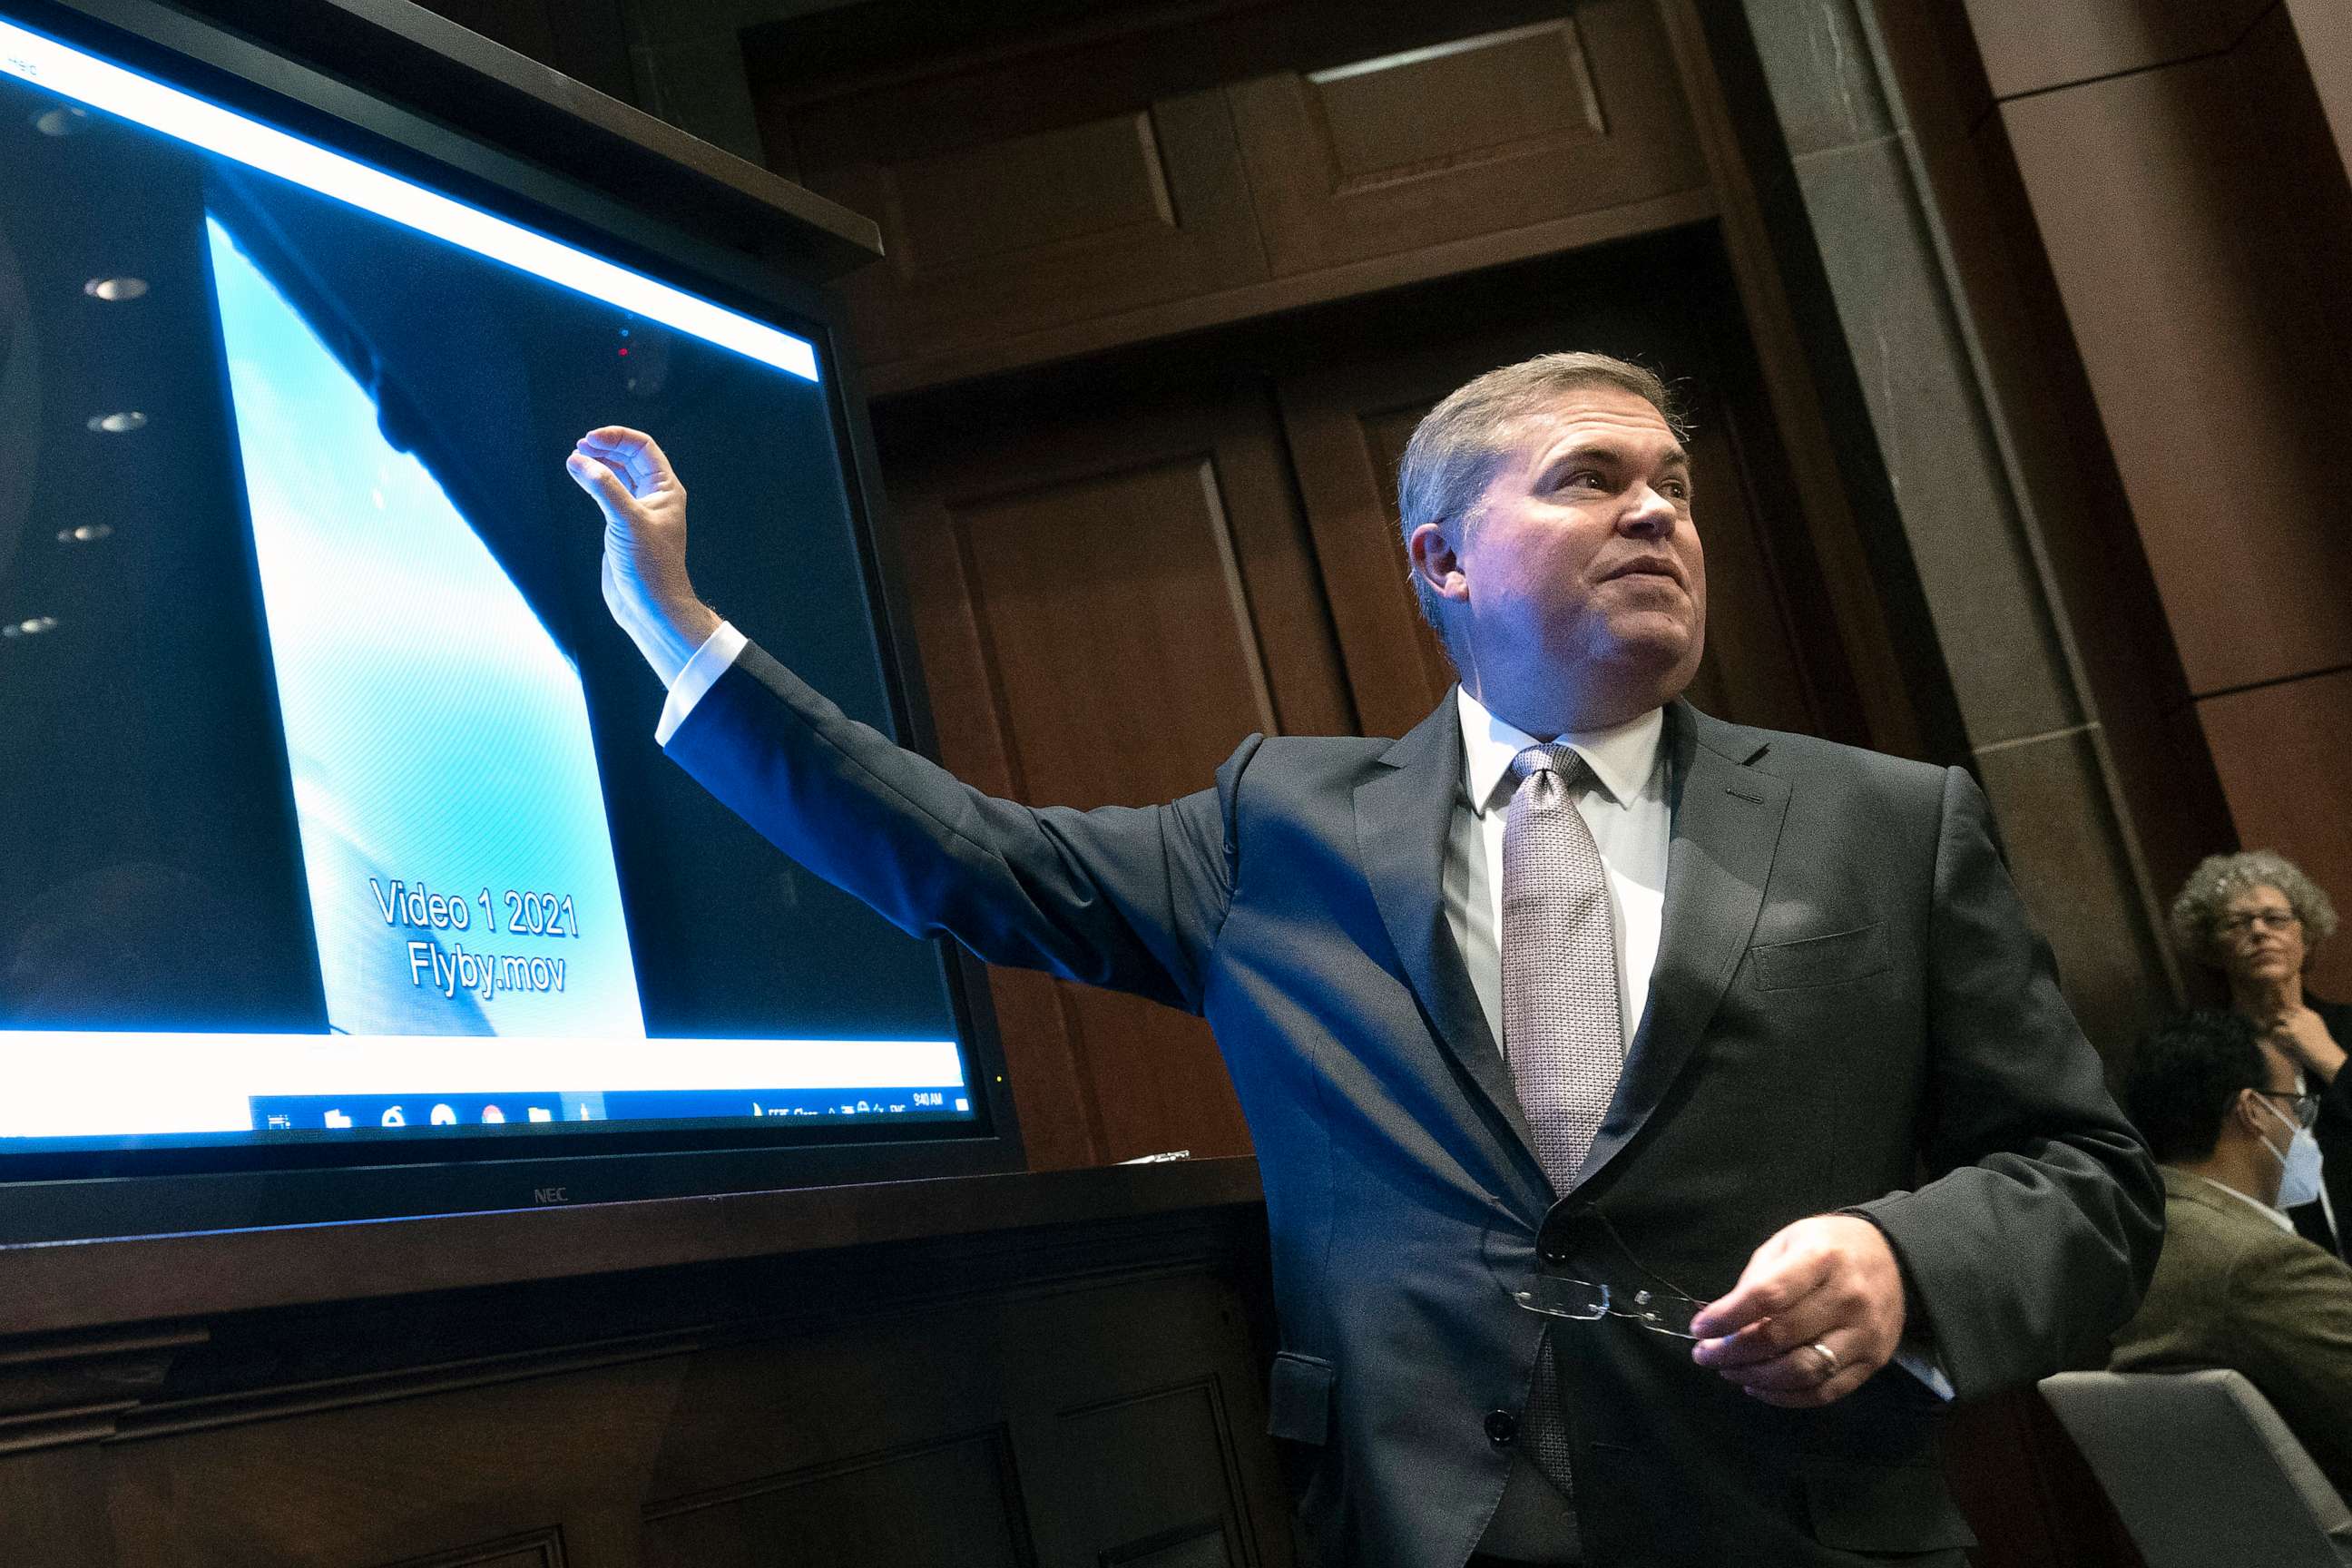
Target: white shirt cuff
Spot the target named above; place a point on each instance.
(1922, 1363)
(714, 658)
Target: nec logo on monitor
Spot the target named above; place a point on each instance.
(548, 1195)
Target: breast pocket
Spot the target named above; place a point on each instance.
(1831, 959)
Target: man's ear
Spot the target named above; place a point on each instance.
(2248, 1109)
(1436, 564)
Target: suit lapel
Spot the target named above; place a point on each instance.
(1402, 815)
(1727, 823)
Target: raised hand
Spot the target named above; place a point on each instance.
(645, 580)
(1818, 1311)
(2302, 1036)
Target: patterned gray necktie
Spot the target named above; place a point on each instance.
(1563, 1027)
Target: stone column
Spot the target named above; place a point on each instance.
(1908, 360)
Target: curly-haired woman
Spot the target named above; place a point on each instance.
(2258, 920)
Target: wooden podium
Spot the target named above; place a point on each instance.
(1051, 1369)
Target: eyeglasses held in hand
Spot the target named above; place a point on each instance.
(1664, 1308)
(1660, 1311)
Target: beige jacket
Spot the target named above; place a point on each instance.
(2232, 1290)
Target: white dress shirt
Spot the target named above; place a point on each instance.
(714, 658)
(2276, 1216)
(1632, 823)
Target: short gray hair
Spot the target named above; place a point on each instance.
(1455, 448)
(2218, 878)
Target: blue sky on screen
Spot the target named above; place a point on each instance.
(435, 731)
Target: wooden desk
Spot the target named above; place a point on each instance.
(1061, 1368)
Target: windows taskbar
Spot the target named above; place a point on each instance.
(335, 1113)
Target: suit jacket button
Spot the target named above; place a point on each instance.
(1501, 1427)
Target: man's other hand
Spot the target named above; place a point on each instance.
(1826, 1284)
(645, 584)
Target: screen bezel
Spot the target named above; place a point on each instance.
(304, 1179)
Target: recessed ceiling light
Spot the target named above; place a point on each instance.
(116, 423)
(115, 288)
(32, 626)
(85, 533)
(61, 121)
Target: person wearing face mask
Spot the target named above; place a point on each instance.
(2235, 1287)
(2256, 921)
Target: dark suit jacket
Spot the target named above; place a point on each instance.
(1845, 986)
(2234, 1291)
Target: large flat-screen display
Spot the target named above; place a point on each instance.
(334, 834)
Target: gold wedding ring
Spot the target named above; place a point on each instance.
(1829, 1358)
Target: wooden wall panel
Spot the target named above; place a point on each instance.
(1093, 182)
(540, 1549)
(2324, 31)
(1348, 425)
(1521, 85)
(2073, 501)
(1082, 582)
(1143, 1463)
(442, 1478)
(1159, 1482)
(2214, 339)
(2030, 47)
(860, 1512)
(1124, 667)
(1106, 605)
(1076, 1381)
(1490, 130)
(57, 1500)
(1101, 180)
(2194, 217)
(1097, 178)
(2284, 752)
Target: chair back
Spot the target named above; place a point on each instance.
(2202, 1470)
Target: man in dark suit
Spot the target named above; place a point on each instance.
(1568, 1011)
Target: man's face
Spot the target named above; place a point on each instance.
(1582, 564)
(2258, 936)
(2271, 1117)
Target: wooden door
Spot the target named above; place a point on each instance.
(1107, 602)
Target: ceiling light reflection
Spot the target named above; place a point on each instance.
(32, 626)
(115, 288)
(61, 121)
(84, 535)
(116, 423)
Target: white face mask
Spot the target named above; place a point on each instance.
(2299, 1175)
